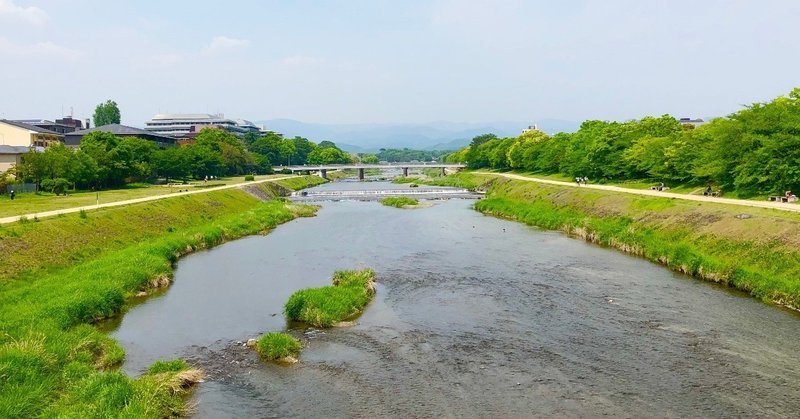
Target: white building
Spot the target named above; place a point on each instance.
(530, 128)
(188, 125)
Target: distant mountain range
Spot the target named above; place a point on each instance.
(361, 138)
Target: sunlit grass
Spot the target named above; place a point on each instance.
(277, 345)
(758, 254)
(399, 201)
(53, 363)
(324, 307)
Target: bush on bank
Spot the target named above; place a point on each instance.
(324, 307)
(54, 363)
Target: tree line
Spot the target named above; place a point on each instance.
(755, 151)
(107, 161)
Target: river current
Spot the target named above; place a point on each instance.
(474, 317)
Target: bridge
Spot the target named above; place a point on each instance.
(323, 168)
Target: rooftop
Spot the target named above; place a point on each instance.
(119, 129)
(14, 149)
(28, 127)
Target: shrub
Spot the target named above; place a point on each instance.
(399, 201)
(60, 186)
(47, 185)
(249, 178)
(323, 307)
(276, 345)
(82, 214)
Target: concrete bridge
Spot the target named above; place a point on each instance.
(323, 168)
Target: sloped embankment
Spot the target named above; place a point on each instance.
(61, 274)
(754, 250)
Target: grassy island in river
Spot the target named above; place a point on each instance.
(400, 202)
(325, 306)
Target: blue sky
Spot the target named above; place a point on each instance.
(390, 61)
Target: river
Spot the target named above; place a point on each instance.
(474, 317)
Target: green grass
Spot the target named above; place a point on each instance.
(301, 182)
(53, 362)
(29, 203)
(276, 345)
(324, 307)
(759, 255)
(399, 201)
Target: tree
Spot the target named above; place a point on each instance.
(369, 158)
(106, 113)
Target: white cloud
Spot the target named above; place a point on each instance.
(31, 14)
(46, 50)
(223, 44)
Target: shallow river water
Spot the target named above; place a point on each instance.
(474, 317)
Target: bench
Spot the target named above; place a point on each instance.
(659, 188)
(712, 193)
(778, 198)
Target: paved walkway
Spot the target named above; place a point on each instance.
(44, 214)
(647, 192)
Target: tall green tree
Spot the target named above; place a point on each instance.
(106, 113)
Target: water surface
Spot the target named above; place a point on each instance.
(474, 317)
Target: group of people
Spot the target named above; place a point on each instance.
(790, 197)
(581, 180)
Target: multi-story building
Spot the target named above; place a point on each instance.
(183, 126)
(21, 134)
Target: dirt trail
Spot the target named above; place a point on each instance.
(43, 214)
(741, 202)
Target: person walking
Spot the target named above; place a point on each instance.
(12, 194)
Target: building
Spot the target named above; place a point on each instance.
(694, 122)
(186, 126)
(73, 139)
(11, 155)
(49, 125)
(15, 133)
(530, 128)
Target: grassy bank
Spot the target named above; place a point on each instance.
(754, 250)
(29, 203)
(301, 182)
(324, 307)
(400, 202)
(61, 274)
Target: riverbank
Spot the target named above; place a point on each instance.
(751, 249)
(60, 275)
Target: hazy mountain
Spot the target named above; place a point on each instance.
(427, 136)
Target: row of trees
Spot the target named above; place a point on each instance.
(751, 152)
(406, 154)
(105, 160)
